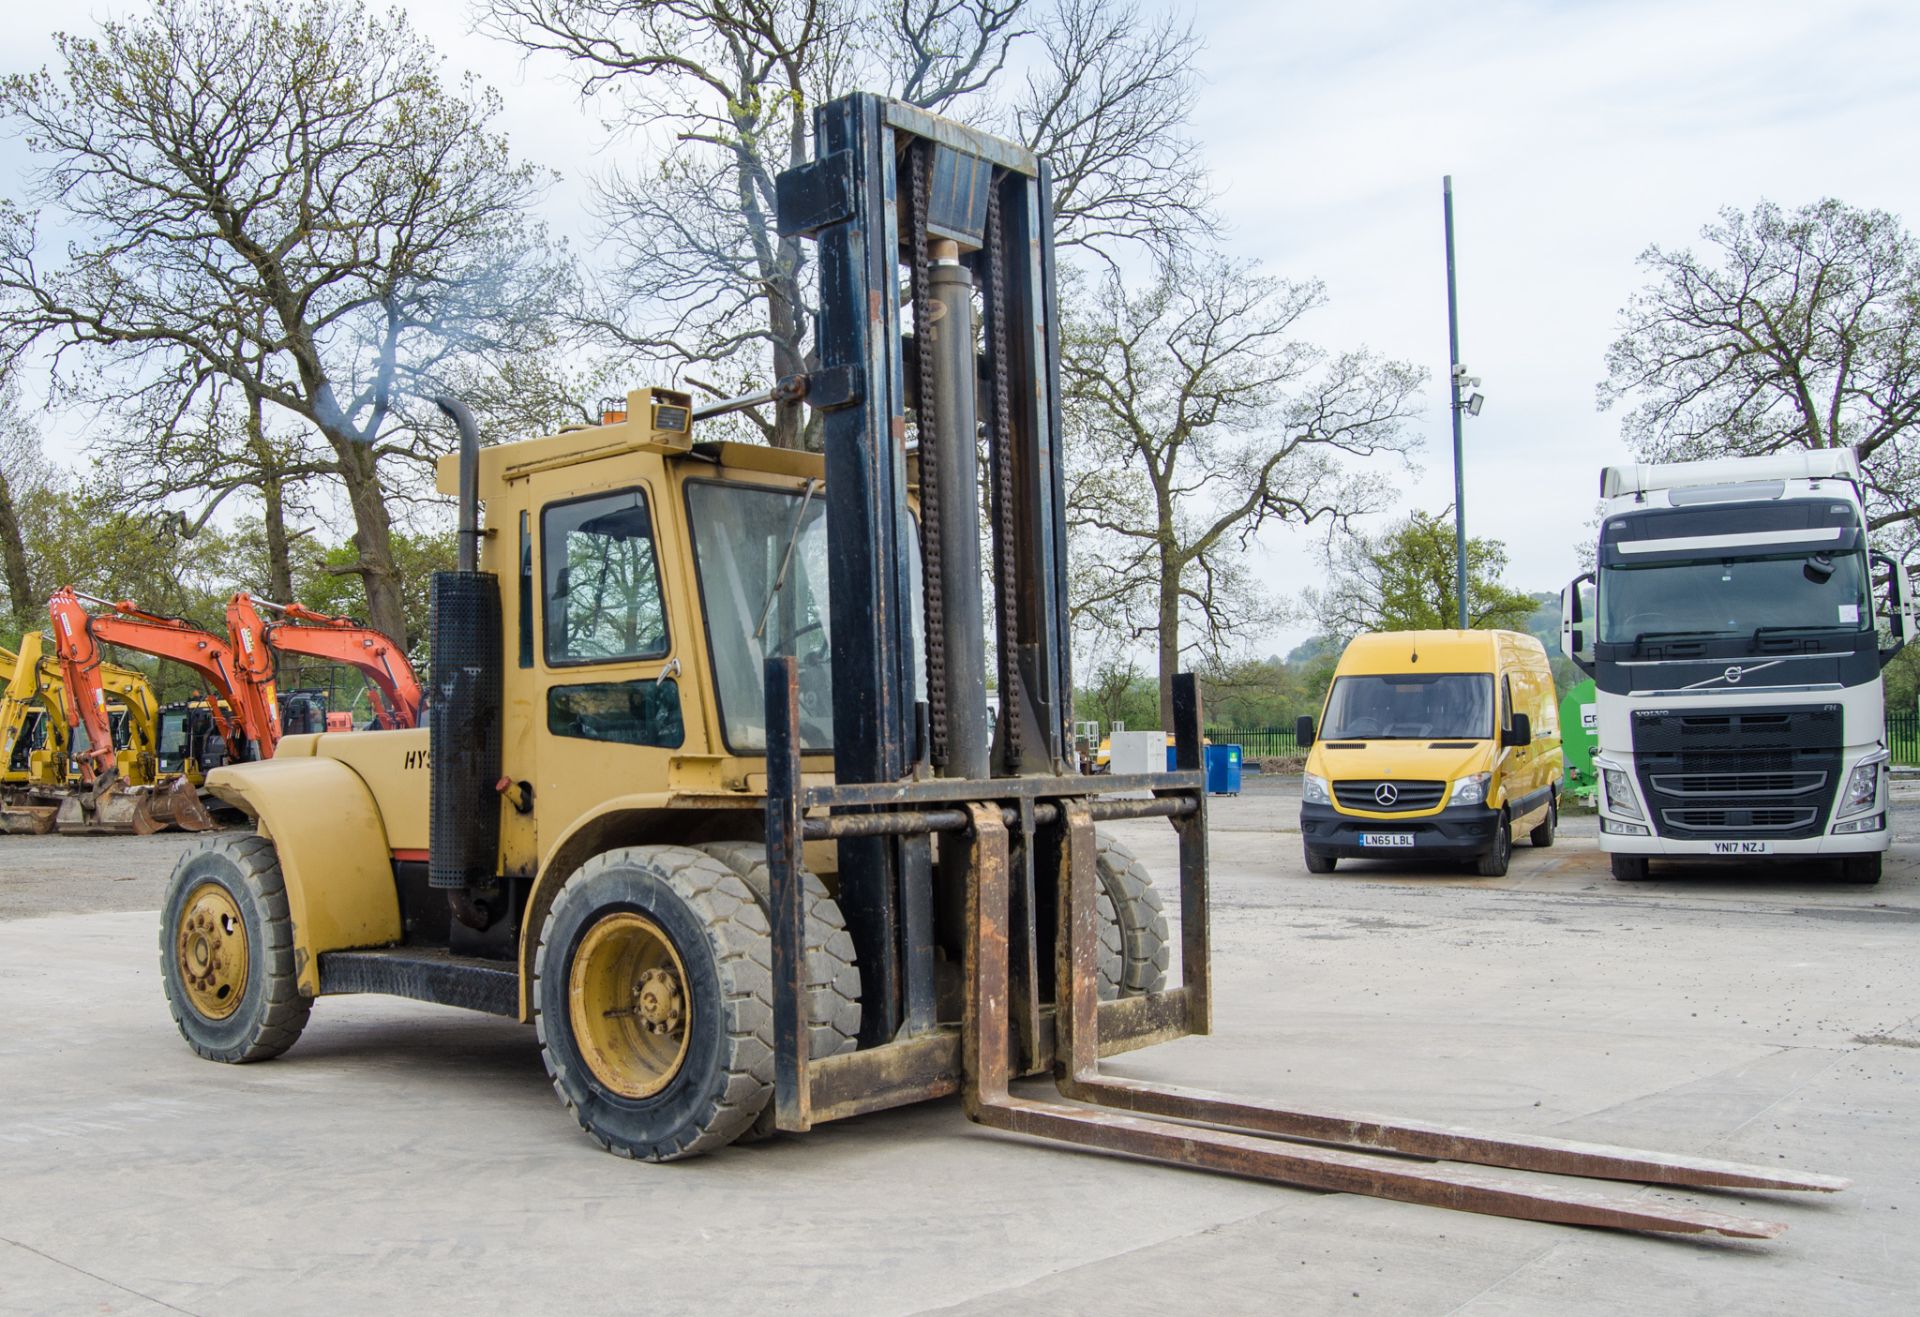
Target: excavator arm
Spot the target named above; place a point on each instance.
(391, 683)
(249, 722)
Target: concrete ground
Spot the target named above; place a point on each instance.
(411, 1157)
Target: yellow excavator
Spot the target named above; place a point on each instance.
(40, 742)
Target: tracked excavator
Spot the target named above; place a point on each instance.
(708, 793)
(392, 688)
(38, 770)
(243, 712)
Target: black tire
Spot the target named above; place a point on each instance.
(1134, 944)
(1320, 862)
(833, 975)
(720, 934)
(271, 1012)
(1542, 836)
(1864, 869)
(1493, 862)
(1630, 868)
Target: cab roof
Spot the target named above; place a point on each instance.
(1438, 651)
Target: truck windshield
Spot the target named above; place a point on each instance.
(1704, 598)
(742, 536)
(1404, 707)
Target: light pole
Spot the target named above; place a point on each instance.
(1457, 379)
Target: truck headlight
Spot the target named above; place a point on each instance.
(1619, 787)
(1471, 790)
(1863, 786)
(1313, 791)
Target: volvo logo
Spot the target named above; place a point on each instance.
(1733, 675)
(1386, 793)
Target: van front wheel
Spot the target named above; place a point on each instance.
(1317, 862)
(1493, 861)
(1543, 835)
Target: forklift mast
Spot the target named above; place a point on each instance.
(896, 194)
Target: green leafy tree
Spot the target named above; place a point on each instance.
(1406, 580)
(1791, 330)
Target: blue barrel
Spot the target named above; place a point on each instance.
(1223, 770)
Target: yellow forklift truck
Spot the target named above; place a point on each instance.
(709, 795)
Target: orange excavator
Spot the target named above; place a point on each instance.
(245, 710)
(392, 688)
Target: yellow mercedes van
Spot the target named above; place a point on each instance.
(1433, 745)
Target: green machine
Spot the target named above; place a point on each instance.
(1578, 735)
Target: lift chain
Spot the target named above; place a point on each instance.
(1012, 696)
(927, 424)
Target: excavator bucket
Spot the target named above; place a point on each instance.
(172, 803)
(25, 816)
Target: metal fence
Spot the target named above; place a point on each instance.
(1903, 737)
(1256, 742)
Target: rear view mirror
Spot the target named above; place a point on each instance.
(1573, 624)
(1520, 734)
(1303, 731)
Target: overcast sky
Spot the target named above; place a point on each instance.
(1576, 134)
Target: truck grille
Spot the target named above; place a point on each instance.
(1773, 821)
(1738, 784)
(1408, 796)
(1770, 771)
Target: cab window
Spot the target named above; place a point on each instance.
(1506, 703)
(601, 581)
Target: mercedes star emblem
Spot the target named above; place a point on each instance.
(1386, 793)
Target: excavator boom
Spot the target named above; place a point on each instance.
(249, 720)
(391, 684)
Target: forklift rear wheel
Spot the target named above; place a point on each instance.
(1630, 868)
(653, 1001)
(1543, 835)
(1319, 861)
(1134, 945)
(1494, 860)
(226, 952)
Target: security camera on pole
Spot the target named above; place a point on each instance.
(1460, 382)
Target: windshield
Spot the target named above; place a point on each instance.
(1743, 596)
(743, 534)
(1404, 707)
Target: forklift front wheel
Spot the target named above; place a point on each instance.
(653, 1001)
(1134, 944)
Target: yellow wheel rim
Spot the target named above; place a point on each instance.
(628, 1003)
(210, 948)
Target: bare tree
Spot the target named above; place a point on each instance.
(290, 199)
(1794, 330)
(1195, 420)
(698, 277)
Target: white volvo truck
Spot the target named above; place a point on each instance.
(1735, 636)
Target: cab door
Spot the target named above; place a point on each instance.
(600, 688)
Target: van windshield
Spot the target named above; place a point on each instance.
(1404, 707)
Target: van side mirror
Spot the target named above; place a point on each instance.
(1520, 734)
(1303, 731)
